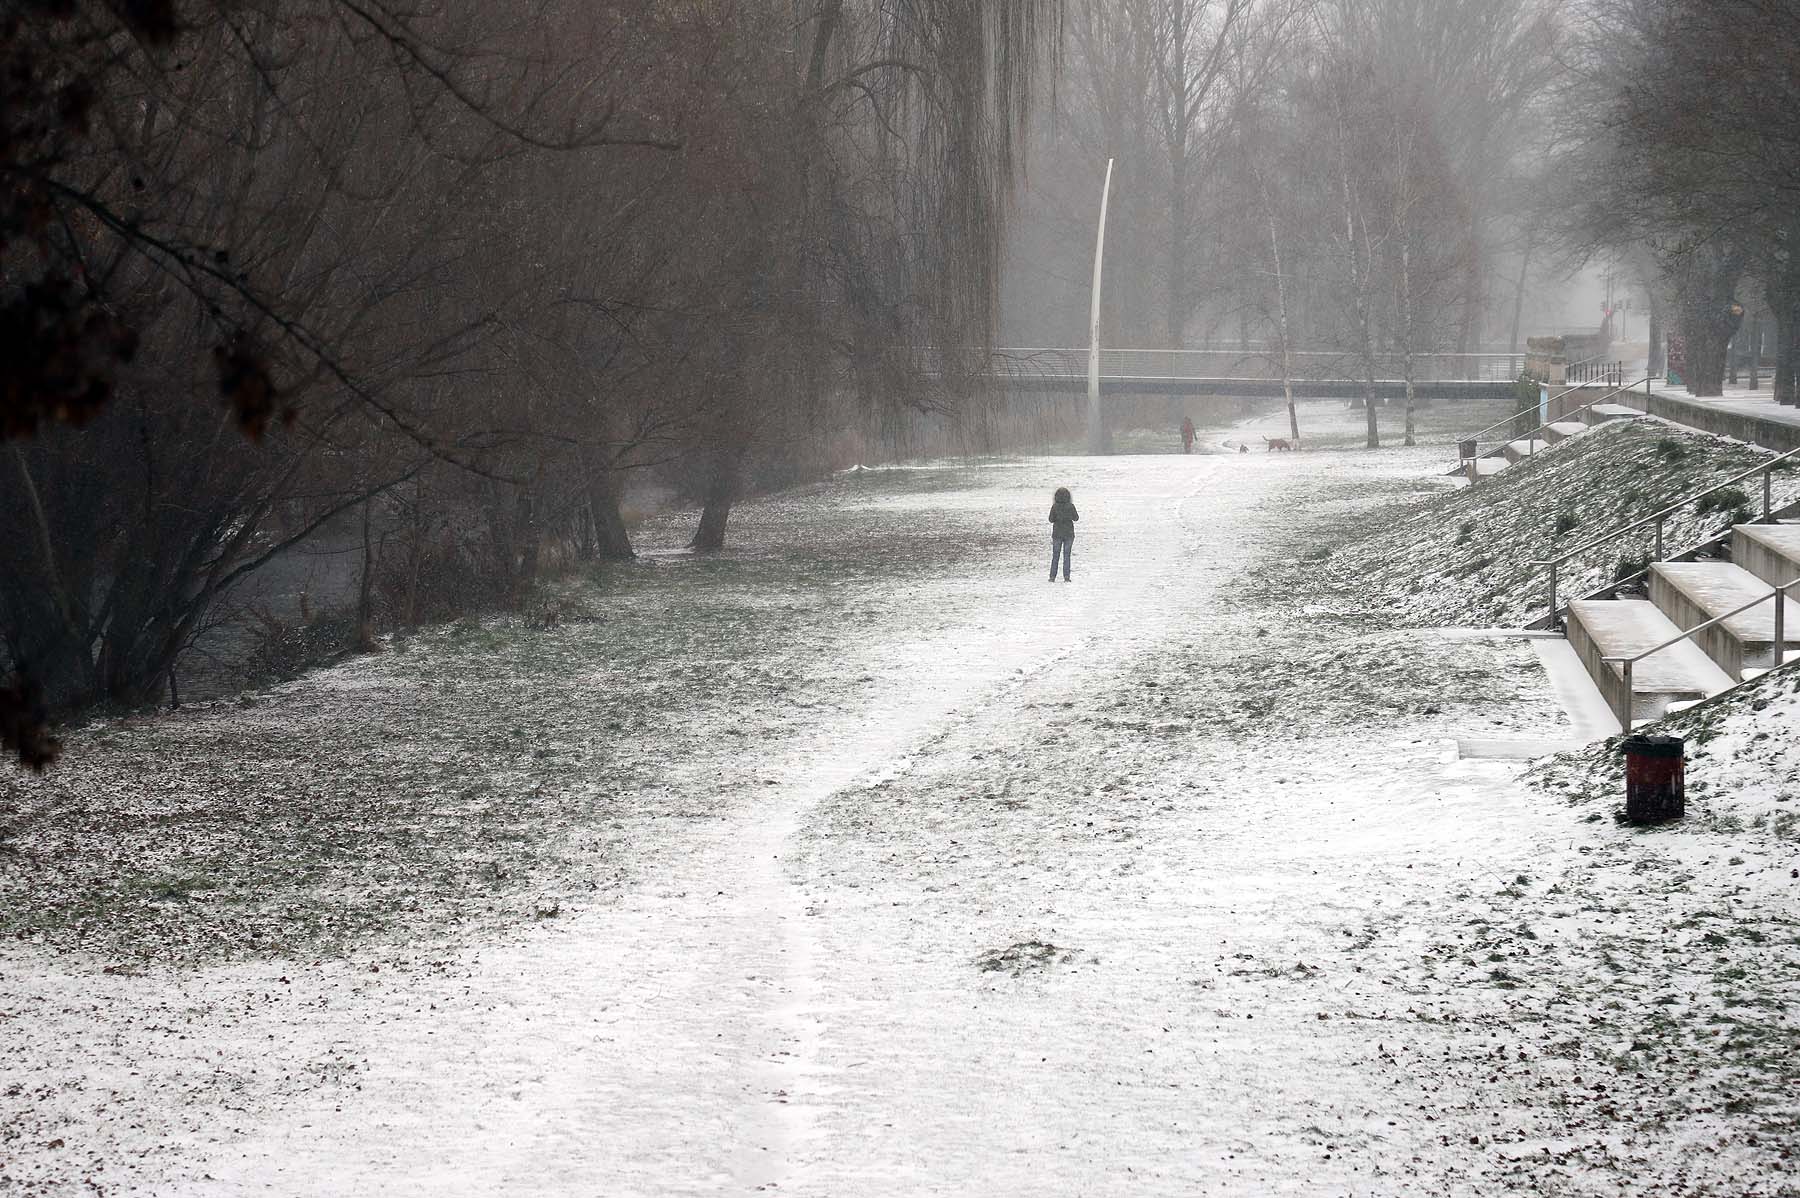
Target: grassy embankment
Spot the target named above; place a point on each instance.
(1464, 557)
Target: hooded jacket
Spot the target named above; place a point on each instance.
(1062, 520)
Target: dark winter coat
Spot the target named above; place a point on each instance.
(1062, 520)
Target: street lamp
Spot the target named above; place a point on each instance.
(1096, 426)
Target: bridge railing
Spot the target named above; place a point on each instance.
(1253, 361)
(1596, 370)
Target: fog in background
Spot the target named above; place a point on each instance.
(448, 294)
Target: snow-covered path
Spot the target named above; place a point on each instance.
(683, 1040)
(1151, 883)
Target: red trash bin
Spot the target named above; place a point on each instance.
(1655, 769)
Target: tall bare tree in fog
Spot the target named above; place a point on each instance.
(1108, 95)
(457, 272)
(880, 220)
(1688, 140)
(1477, 70)
(1376, 148)
(1189, 45)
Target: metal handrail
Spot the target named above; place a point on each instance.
(1766, 469)
(1625, 664)
(1544, 403)
(1531, 438)
(1611, 589)
(1680, 555)
(1532, 435)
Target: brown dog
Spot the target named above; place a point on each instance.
(1275, 443)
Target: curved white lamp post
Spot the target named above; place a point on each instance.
(1096, 426)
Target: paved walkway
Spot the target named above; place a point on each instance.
(1751, 416)
(1741, 401)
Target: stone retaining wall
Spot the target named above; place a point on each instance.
(1770, 434)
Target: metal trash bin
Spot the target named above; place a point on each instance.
(1655, 770)
(1466, 450)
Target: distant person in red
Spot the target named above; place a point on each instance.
(1187, 435)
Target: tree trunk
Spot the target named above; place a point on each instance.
(1787, 335)
(584, 533)
(1753, 339)
(831, 13)
(1782, 290)
(1519, 294)
(1366, 337)
(1474, 310)
(417, 562)
(1176, 326)
(1406, 330)
(1706, 281)
(1176, 84)
(1374, 423)
(612, 540)
(1706, 353)
(1468, 337)
(529, 548)
(1281, 323)
(1658, 362)
(365, 615)
(1360, 280)
(721, 493)
(1361, 284)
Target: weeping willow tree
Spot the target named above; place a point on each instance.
(903, 126)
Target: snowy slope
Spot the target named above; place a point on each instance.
(1463, 556)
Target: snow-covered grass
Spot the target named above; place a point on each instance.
(474, 774)
(1463, 556)
(1717, 896)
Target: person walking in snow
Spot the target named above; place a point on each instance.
(1062, 531)
(1187, 434)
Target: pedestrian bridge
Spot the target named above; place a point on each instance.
(1245, 371)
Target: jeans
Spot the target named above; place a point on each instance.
(1060, 549)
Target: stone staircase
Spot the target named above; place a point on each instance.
(1685, 628)
(1684, 595)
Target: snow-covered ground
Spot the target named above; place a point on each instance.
(863, 861)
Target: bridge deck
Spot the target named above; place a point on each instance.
(1388, 390)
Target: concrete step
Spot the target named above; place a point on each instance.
(1600, 628)
(1516, 451)
(1562, 430)
(1600, 413)
(1480, 468)
(1769, 551)
(1691, 593)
